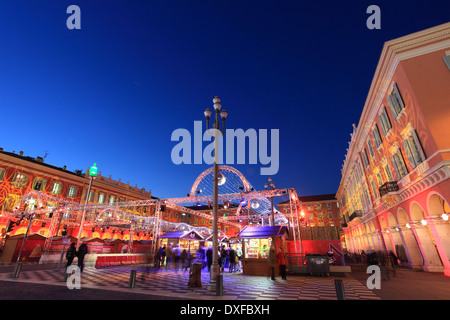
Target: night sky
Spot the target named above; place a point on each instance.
(114, 91)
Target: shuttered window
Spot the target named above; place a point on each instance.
(395, 101)
(385, 123)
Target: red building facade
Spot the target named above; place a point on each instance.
(21, 175)
(395, 186)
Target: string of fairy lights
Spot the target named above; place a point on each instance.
(41, 207)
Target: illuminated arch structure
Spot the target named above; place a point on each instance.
(232, 182)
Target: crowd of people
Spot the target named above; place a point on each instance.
(229, 258)
(73, 253)
(387, 261)
(169, 257)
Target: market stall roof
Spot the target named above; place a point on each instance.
(91, 239)
(59, 238)
(221, 238)
(252, 232)
(32, 236)
(111, 240)
(186, 235)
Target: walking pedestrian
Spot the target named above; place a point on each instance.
(223, 257)
(71, 254)
(384, 265)
(183, 258)
(239, 255)
(393, 262)
(158, 258)
(232, 265)
(163, 255)
(81, 253)
(169, 252)
(272, 261)
(177, 253)
(209, 254)
(282, 263)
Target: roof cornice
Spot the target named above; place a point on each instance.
(394, 51)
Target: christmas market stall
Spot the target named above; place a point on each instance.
(189, 240)
(222, 239)
(256, 243)
(31, 251)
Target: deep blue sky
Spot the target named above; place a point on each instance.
(114, 91)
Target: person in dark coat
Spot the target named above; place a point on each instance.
(282, 262)
(223, 257)
(183, 258)
(232, 265)
(384, 266)
(71, 254)
(272, 262)
(81, 253)
(209, 254)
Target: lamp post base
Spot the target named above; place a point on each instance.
(215, 271)
(216, 280)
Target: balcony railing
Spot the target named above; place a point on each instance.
(391, 186)
(356, 214)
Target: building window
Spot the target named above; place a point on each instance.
(374, 189)
(385, 123)
(379, 179)
(2, 174)
(112, 199)
(365, 158)
(19, 180)
(376, 137)
(56, 188)
(369, 144)
(39, 184)
(447, 60)
(395, 101)
(413, 150)
(101, 198)
(72, 192)
(330, 214)
(399, 164)
(91, 196)
(329, 205)
(388, 172)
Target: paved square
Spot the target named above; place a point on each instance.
(171, 283)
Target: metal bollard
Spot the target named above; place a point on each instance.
(219, 285)
(132, 281)
(17, 269)
(339, 286)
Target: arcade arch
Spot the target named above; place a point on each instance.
(427, 245)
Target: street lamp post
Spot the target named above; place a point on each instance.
(215, 268)
(92, 174)
(18, 262)
(271, 186)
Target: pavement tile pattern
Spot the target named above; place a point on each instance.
(236, 286)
